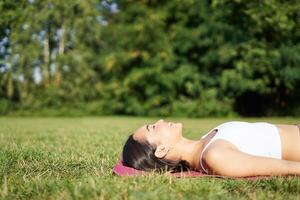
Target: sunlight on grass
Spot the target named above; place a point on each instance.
(67, 158)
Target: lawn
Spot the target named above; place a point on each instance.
(72, 158)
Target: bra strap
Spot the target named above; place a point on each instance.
(201, 155)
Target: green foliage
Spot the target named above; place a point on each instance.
(4, 106)
(185, 58)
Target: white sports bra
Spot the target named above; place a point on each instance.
(259, 139)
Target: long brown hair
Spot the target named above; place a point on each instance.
(141, 156)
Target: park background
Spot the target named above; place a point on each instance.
(78, 76)
(150, 58)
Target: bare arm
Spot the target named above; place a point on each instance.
(230, 162)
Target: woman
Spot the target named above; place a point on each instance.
(235, 149)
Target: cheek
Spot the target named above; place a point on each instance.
(165, 135)
(170, 135)
(159, 137)
(154, 139)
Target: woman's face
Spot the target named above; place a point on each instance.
(161, 132)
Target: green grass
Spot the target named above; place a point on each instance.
(72, 158)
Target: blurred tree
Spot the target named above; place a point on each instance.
(267, 63)
(51, 39)
(218, 52)
(181, 57)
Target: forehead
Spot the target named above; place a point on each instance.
(140, 134)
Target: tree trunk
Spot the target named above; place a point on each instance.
(10, 85)
(61, 49)
(45, 73)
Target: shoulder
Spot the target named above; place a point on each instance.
(214, 154)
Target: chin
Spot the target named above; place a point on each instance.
(179, 127)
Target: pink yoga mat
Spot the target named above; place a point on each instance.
(122, 170)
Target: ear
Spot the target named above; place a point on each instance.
(161, 151)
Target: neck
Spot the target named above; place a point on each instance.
(190, 150)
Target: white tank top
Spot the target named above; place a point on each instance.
(258, 139)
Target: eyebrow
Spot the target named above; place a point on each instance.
(147, 127)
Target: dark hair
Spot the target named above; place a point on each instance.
(141, 156)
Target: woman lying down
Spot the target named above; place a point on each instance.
(234, 149)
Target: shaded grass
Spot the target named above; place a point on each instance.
(72, 158)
